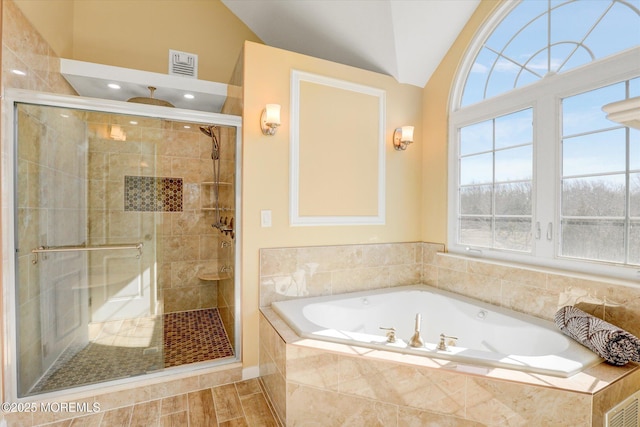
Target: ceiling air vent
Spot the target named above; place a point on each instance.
(183, 64)
(624, 414)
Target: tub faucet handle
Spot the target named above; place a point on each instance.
(391, 334)
(444, 346)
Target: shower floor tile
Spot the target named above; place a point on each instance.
(122, 349)
(194, 336)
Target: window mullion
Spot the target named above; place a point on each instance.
(546, 130)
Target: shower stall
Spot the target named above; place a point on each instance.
(123, 221)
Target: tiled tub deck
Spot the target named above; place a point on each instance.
(312, 381)
(309, 380)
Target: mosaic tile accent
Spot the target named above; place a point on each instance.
(152, 194)
(194, 336)
(189, 336)
(93, 363)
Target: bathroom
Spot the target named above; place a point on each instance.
(418, 171)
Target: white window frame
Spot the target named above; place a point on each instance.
(545, 97)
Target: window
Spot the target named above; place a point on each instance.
(537, 38)
(496, 165)
(537, 172)
(599, 213)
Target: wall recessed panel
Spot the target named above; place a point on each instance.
(337, 147)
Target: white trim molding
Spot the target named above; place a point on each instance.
(295, 218)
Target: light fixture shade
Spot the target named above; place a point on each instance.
(270, 119)
(273, 114)
(407, 134)
(116, 133)
(402, 137)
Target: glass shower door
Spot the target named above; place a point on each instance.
(124, 267)
(86, 260)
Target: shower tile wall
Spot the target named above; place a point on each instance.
(187, 246)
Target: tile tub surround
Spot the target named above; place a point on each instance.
(362, 386)
(287, 273)
(537, 291)
(296, 272)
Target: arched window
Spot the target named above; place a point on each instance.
(537, 171)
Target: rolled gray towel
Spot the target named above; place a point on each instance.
(610, 342)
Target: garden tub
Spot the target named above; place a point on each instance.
(487, 335)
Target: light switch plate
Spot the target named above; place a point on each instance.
(265, 218)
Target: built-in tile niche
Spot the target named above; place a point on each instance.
(152, 194)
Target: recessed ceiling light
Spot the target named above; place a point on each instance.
(133, 122)
(64, 115)
(188, 96)
(187, 127)
(19, 72)
(114, 86)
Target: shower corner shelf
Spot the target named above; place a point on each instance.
(207, 201)
(221, 209)
(212, 277)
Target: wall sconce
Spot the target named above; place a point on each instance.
(402, 137)
(270, 119)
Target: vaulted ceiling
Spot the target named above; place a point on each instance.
(405, 39)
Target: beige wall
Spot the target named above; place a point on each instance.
(266, 169)
(435, 120)
(54, 21)
(138, 34)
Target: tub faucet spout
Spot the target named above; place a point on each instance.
(416, 340)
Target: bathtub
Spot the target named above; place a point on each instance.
(487, 335)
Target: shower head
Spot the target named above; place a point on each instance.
(150, 99)
(210, 131)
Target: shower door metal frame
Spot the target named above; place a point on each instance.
(8, 191)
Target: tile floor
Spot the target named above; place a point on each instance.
(231, 405)
(194, 336)
(123, 348)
